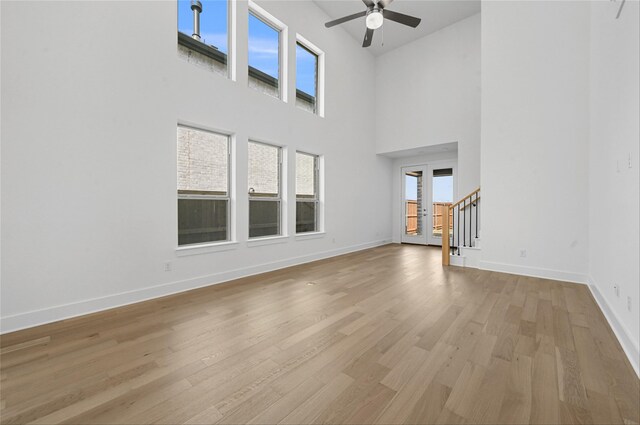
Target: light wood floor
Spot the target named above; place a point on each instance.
(379, 336)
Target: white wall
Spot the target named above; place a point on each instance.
(614, 187)
(89, 113)
(428, 93)
(535, 132)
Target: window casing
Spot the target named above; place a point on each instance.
(203, 186)
(267, 53)
(208, 45)
(306, 78)
(307, 193)
(265, 190)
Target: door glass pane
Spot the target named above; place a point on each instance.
(202, 220)
(442, 191)
(413, 203)
(264, 218)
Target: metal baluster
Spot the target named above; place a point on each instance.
(453, 231)
(470, 220)
(464, 222)
(477, 205)
(458, 244)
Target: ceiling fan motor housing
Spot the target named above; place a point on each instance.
(375, 18)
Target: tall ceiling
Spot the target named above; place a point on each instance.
(435, 14)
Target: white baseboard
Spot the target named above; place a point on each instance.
(629, 346)
(67, 311)
(534, 272)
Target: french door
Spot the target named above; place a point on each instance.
(427, 191)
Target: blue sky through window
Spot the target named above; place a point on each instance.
(213, 22)
(263, 47)
(306, 67)
(442, 188)
(410, 188)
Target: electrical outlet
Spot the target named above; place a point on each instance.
(616, 290)
(333, 240)
(167, 266)
(629, 303)
(523, 253)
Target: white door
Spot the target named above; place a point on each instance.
(441, 193)
(414, 205)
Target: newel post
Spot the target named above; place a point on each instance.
(445, 235)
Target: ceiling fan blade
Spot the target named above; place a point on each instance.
(368, 38)
(345, 19)
(369, 3)
(384, 3)
(401, 18)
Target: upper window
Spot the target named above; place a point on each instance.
(307, 189)
(203, 186)
(203, 33)
(306, 78)
(265, 61)
(264, 190)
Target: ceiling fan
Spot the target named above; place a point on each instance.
(376, 13)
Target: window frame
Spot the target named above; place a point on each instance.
(229, 60)
(229, 239)
(320, 72)
(283, 47)
(316, 199)
(279, 199)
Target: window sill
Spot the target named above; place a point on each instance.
(310, 235)
(267, 240)
(186, 250)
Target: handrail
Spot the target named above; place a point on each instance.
(465, 198)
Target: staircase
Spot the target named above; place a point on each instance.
(462, 224)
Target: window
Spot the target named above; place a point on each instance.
(267, 63)
(203, 33)
(307, 182)
(265, 166)
(203, 186)
(306, 78)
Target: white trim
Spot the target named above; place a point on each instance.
(274, 22)
(267, 240)
(309, 235)
(629, 346)
(67, 311)
(196, 249)
(232, 40)
(320, 84)
(560, 275)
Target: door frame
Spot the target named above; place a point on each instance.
(417, 239)
(436, 165)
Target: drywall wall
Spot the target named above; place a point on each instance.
(89, 114)
(428, 93)
(614, 160)
(535, 132)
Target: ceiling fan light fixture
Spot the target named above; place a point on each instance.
(374, 20)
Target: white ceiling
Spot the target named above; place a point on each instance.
(435, 14)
